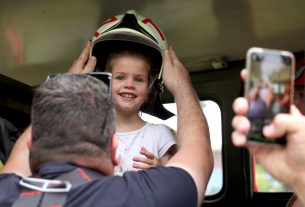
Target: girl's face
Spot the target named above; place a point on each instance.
(130, 76)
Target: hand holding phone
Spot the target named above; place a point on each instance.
(268, 89)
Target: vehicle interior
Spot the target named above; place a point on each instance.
(210, 38)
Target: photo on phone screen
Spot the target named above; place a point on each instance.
(268, 89)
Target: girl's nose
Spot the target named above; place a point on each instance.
(129, 83)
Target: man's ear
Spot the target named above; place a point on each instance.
(26, 137)
(29, 137)
(114, 147)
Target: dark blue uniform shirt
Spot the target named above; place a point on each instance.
(161, 186)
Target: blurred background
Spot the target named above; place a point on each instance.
(41, 37)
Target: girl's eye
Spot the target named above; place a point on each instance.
(119, 77)
(139, 79)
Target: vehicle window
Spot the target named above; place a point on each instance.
(264, 182)
(213, 115)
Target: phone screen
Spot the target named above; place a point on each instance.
(105, 77)
(268, 89)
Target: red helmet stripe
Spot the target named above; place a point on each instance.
(145, 21)
(96, 34)
(112, 19)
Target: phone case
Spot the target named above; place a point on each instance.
(268, 89)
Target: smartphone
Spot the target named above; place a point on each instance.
(268, 89)
(105, 77)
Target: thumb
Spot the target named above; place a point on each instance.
(285, 123)
(167, 61)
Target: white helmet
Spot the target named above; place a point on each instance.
(131, 30)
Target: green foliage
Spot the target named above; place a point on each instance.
(266, 183)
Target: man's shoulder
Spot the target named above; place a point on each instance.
(9, 178)
(167, 185)
(161, 186)
(166, 173)
(9, 190)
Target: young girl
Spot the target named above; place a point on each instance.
(130, 47)
(141, 144)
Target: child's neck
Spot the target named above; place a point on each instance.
(128, 123)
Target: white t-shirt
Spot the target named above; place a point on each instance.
(156, 138)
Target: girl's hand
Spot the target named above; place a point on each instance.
(145, 163)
